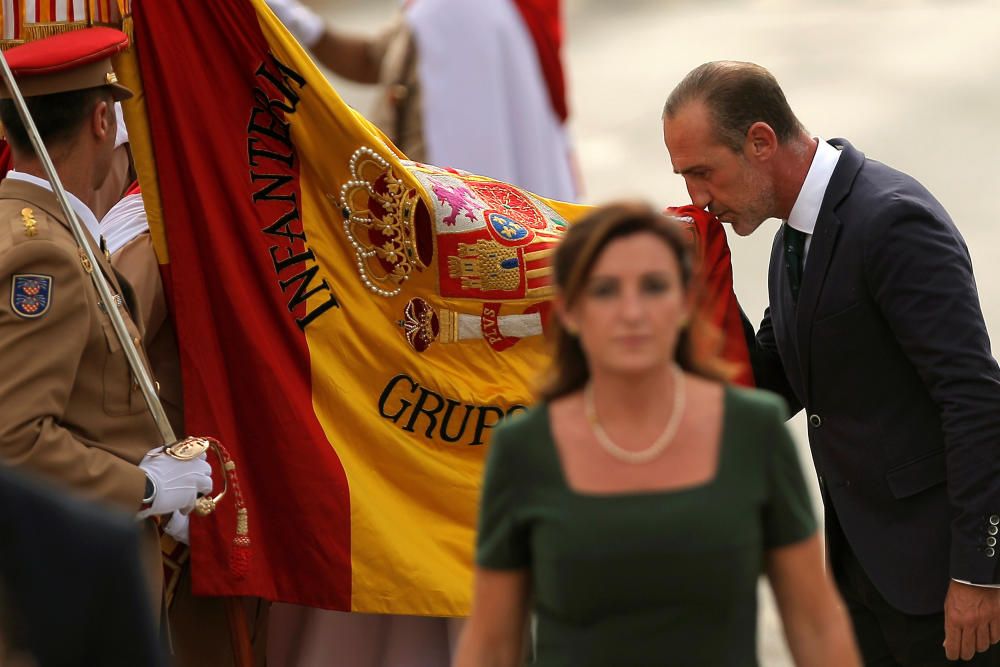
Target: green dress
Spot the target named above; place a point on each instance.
(665, 578)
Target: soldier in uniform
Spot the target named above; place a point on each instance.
(70, 410)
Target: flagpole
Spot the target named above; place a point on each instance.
(139, 370)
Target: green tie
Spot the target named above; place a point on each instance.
(795, 243)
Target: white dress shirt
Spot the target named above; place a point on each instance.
(807, 204)
(82, 211)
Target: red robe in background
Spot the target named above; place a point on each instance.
(544, 21)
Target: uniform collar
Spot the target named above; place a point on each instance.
(82, 211)
(810, 199)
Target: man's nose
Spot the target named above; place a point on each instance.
(700, 196)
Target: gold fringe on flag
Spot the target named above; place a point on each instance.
(33, 31)
(127, 29)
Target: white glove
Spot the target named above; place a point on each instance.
(176, 484)
(179, 527)
(307, 26)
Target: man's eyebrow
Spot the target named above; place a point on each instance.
(688, 170)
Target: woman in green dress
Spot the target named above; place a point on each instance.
(633, 509)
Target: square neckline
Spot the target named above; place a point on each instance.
(709, 483)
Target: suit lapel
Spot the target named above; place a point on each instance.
(821, 249)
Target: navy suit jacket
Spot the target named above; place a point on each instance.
(72, 589)
(887, 351)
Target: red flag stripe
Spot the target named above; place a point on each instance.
(246, 365)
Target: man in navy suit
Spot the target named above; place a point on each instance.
(875, 329)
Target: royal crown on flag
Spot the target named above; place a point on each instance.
(385, 222)
(421, 324)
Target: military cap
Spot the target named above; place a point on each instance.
(69, 61)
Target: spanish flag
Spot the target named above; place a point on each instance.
(351, 324)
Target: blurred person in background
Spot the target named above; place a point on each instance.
(72, 590)
(121, 172)
(477, 86)
(875, 329)
(634, 508)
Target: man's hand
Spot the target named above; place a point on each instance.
(176, 484)
(179, 527)
(971, 620)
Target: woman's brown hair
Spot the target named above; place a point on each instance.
(573, 262)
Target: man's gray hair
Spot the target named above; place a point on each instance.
(737, 95)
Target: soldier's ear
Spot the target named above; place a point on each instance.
(103, 120)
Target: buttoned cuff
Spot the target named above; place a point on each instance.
(974, 559)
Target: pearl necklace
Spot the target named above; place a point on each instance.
(661, 443)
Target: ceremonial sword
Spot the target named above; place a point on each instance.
(185, 449)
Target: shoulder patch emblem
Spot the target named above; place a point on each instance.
(30, 224)
(30, 294)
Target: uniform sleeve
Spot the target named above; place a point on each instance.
(38, 368)
(502, 539)
(788, 515)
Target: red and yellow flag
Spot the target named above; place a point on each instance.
(351, 325)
